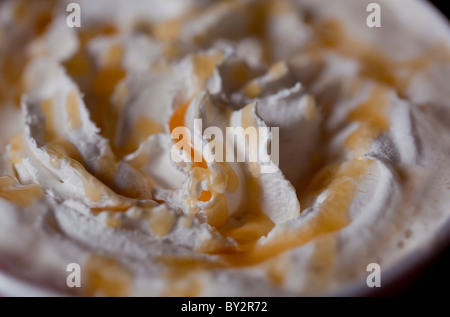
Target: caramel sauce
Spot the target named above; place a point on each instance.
(73, 111)
(258, 14)
(17, 148)
(240, 76)
(373, 119)
(232, 179)
(79, 65)
(94, 189)
(31, 21)
(248, 121)
(361, 139)
(323, 260)
(142, 129)
(318, 183)
(113, 222)
(182, 275)
(114, 56)
(277, 71)
(310, 110)
(139, 161)
(42, 21)
(55, 142)
(186, 222)
(118, 103)
(12, 67)
(101, 89)
(107, 167)
(106, 170)
(93, 192)
(248, 225)
(161, 221)
(374, 63)
(177, 120)
(217, 214)
(252, 89)
(374, 109)
(253, 223)
(47, 109)
(24, 12)
(205, 195)
(21, 195)
(106, 277)
(117, 208)
(332, 216)
(98, 84)
(169, 31)
(205, 65)
(87, 34)
(247, 117)
(21, 10)
(277, 268)
(64, 149)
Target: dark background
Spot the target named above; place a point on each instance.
(436, 275)
(440, 4)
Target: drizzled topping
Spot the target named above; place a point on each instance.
(93, 117)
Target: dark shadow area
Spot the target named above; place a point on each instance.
(435, 276)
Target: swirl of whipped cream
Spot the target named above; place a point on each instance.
(87, 122)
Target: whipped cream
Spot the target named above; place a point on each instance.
(86, 169)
